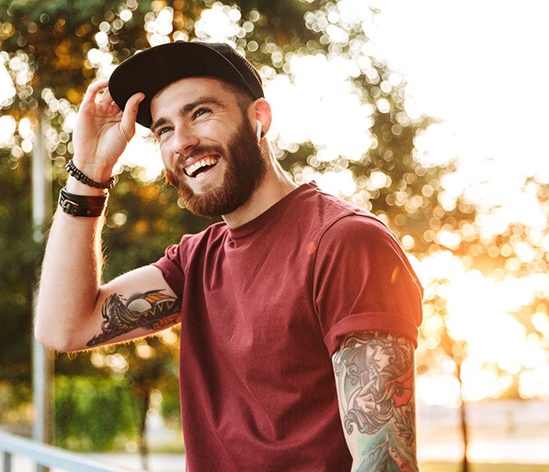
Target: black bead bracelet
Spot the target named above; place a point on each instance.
(79, 175)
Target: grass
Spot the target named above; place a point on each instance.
(448, 467)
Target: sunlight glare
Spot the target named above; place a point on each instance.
(324, 111)
(336, 183)
(478, 305)
(7, 89)
(535, 383)
(143, 151)
(218, 23)
(438, 389)
(8, 126)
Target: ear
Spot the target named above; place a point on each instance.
(261, 111)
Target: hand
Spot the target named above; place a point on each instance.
(102, 131)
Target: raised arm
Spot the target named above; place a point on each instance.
(375, 384)
(74, 309)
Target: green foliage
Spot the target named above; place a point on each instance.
(54, 39)
(93, 413)
(19, 261)
(14, 397)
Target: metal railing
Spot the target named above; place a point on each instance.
(45, 456)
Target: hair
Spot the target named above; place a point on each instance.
(243, 98)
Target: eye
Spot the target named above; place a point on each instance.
(163, 130)
(201, 112)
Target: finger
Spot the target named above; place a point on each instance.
(129, 115)
(107, 97)
(93, 89)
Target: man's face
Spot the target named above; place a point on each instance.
(208, 146)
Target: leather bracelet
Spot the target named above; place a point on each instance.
(79, 175)
(81, 205)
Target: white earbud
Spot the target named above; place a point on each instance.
(259, 129)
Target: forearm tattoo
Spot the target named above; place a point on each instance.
(153, 310)
(375, 376)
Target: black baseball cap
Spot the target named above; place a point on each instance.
(151, 70)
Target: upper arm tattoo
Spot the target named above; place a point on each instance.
(153, 310)
(375, 381)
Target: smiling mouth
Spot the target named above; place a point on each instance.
(201, 166)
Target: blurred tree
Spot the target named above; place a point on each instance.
(19, 254)
(148, 372)
(521, 246)
(534, 317)
(438, 346)
(52, 42)
(390, 178)
(93, 413)
(138, 368)
(50, 51)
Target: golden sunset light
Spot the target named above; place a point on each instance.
(431, 115)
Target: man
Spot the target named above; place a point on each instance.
(299, 312)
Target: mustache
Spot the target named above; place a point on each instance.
(174, 176)
(198, 151)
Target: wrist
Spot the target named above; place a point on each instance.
(82, 205)
(78, 188)
(93, 168)
(88, 177)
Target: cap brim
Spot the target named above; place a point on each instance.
(152, 70)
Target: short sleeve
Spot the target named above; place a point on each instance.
(170, 264)
(364, 282)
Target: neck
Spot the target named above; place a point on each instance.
(273, 188)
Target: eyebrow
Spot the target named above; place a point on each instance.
(186, 109)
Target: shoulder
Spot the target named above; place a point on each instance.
(330, 221)
(192, 247)
(342, 221)
(205, 238)
(357, 237)
(358, 229)
(327, 210)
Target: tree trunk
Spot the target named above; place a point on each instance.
(143, 446)
(463, 421)
(43, 369)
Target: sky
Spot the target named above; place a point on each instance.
(482, 66)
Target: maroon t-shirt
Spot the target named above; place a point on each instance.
(265, 306)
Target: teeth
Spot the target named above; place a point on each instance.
(194, 167)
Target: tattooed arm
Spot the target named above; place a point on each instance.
(135, 304)
(75, 310)
(375, 384)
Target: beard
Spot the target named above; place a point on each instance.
(245, 170)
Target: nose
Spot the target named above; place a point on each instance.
(184, 141)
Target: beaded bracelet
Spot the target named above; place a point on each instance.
(79, 175)
(82, 205)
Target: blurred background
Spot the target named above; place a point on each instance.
(431, 114)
